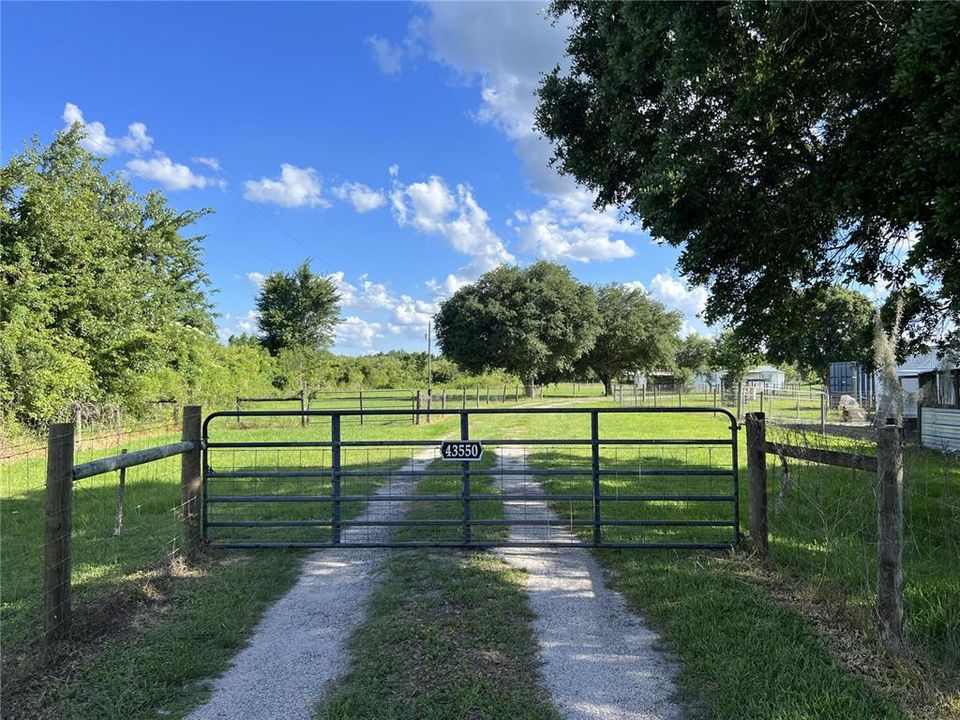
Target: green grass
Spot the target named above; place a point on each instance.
(728, 633)
(114, 578)
(186, 629)
(743, 653)
(448, 634)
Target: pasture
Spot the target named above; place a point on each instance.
(729, 625)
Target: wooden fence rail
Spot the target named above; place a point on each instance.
(888, 466)
(58, 507)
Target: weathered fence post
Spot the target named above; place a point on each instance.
(121, 488)
(416, 415)
(890, 538)
(303, 409)
(740, 401)
(478, 396)
(429, 404)
(823, 414)
(191, 484)
(238, 409)
(361, 406)
(761, 401)
(757, 481)
(443, 400)
(56, 530)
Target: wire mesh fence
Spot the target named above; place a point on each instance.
(792, 405)
(824, 530)
(114, 530)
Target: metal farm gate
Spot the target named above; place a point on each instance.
(568, 476)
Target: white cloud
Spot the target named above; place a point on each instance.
(256, 278)
(506, 47)
(99, 143)
(210, 162)
(402, 314)
(431, 207)
(346, 291)
(355, 333)
(296, 187)
(389, 57)
(568, 228)
(173, 176)
(448, 286)
(676, 294)
(238, 325)
(364, 199)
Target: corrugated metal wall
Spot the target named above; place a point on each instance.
(940, 428)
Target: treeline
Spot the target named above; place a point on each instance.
(104, 303)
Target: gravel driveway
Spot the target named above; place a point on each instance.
(600, 661)
(299, 645)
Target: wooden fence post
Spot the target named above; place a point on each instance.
(890, 538)
(757, 481)
(478, 396)
(429, 403)
(191, 484)
(238, 409)
(823, 414)
(443, 400)
(303, 409)
(121, 489)
(463, 398)
(58, 503)
(416, 415)
(361, 406)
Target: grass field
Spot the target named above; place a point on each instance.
(731, 627)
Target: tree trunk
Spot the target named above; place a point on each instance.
(607, 386)
(529, 387)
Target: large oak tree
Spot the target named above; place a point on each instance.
(780, 145)
(636, 333)
(533, 322)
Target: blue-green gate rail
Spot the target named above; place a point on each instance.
(315, 486)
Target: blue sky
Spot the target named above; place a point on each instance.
(391, 143)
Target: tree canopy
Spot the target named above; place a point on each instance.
(636, 332)
(694, 355)
(781, 146)
(297, 310)
(825, 325)
(100, 290)
(533, 322)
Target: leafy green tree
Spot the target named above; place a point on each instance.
(305, 368)
(732, 354)
(780, 145)
(530, 322)
(297, 310)
(94, 280)
(636, 333)
(694, 355)
(825, 325)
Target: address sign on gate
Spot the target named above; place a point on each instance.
(461, 450)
